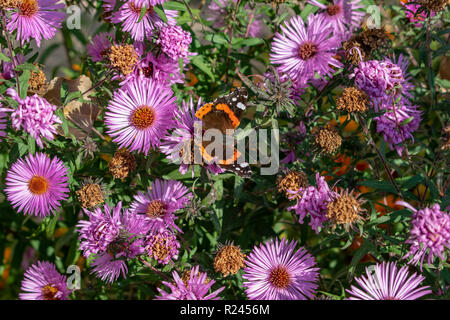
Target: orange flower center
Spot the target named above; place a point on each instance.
(279, 277)
(29, 8)
(143, 117)
(333, 9)
(307, 50)
(156, 209)
(38, 185)
(49, 292)
(137, 9)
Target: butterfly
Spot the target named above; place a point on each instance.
(224, 114)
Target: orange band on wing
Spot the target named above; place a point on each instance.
(204, 110)
(225, 108)
(236, 155)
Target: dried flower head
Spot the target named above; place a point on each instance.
(38, 81)
(374, 38)
(353, 100)
(91, 194)
(122, 164)
(354, 51)
(345, 209)
(8, 4)
(434, 5)
(123, 57)
(88, 147)
(293, 181)
(187, 275)
(328, 139)
(229, 259)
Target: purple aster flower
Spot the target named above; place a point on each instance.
(36, 19)
(181, 139)
(35, 115)
(43, 282)
(398, 123)
(140, 114)
(313, 200)
(174, 42)
(162, 246)
(301, 52)
(147, 3)
(161, 69)
(386, 282)
(429, 235)
(160, 202)
(197, 287)
(276, 271)
(129, 15)
(411, 13)
(37, 185)
(377, 78)
(8, 69)
(340, 13)
(98, 49)
(112, 236)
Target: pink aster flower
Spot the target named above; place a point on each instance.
(98, 49)
(129, 15)
(140, 114)
(161, 69)
(398, 124)
(411, 13)
(147, 3)
(197, 287)
(429, 235)
(36, 19)
(37, 185)
(35, 115)
(174, 42)
(341, 13)
(276, 271)
(160, 202)
(377, 78)
(112, 236)
(162, 246)
(181, 139)
(302, 51)
(43, 282)
(386, 282)
(313, 200)
(7, 67)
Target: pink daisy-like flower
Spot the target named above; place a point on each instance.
(37, 185)
(147, 3)
(174, 42)
(36, 19)
(140, 114)
(162, 246)
(129, 15)
(398, 123)
(386, 282)
(35, 115)
(303, 51)
(112, 236)
(313, 201)
(161, 69)
(429, 235)
(411, 13)
(377, 78)
(340, 13)
(43, 282)
(160, 202)
(98, 49)
(276, 271)
(181, 139)
(197, 287)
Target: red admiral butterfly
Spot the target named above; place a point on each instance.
(225, 114)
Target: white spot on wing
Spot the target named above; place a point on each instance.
(241, 106)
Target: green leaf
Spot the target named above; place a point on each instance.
(378, 185)
(160, 12)
(23, 83)
(31, 144)
(200, 63)
(142, 14)
(4, 57)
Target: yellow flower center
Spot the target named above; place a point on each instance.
(38, 185)
(49, 292)
(143, 117)
(28, 8)
(279, 277)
